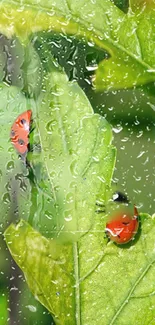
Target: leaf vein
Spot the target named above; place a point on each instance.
(77, 284)
(139, 43)
(89, 162)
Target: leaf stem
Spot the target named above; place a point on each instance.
(77, 284)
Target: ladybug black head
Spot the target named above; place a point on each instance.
(120, 197)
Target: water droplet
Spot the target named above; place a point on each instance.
(68, 215)
(96, 159)
(32, 308)
(50, 126)
(141, 154)
(146, 161)
(69, 198)
(73, 168)
(50, 156)
(11, 149)
(140, 134)
(56, 188)
(138, 178)
(101, 179)
(110, 108)
(48, 215)
(117, 129)
(136, 122)
(10, 165)
(125, 139)
(53, 174)
(91, 44)
(8, 186)
(73, 185)
(6, 198)
(91, 68)
(151, 105)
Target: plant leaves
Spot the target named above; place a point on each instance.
(76, 165)
(89, 281)
(15, 188)
(123, 36)
(76, 160)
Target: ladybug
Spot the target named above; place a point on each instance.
(123, 227)
(20, 133)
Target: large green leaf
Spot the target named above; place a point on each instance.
(89, 282)
(123, 36)
(72, 171)
(76, 160)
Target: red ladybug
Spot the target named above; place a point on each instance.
(20, 132)
(123, 227)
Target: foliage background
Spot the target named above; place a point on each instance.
(131, 113)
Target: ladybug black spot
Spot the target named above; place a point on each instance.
(126, 223)
(120, 197)
(21, 142)
(12, 133)
(23, 121)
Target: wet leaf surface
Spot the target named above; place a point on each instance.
(89, 281)
(75, 169)
(76, 274)
(15, 187)
(76, 159)
(122, 35)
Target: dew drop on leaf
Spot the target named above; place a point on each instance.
(68, 216)
(10, 165)
(32, 308)
(50, 126)
(69, 198)
(6, 198)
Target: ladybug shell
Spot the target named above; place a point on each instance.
(20, 132)
(123, 227)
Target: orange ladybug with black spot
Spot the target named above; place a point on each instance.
(20, 132)
(123, 224)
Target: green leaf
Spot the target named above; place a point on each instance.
(22, 67)
(55, 280)
(89, 282)
(123, 36)
(15, 188)
(76, 164)
(31, 72)
(4, 308)
(141, 5)
(76, 159)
